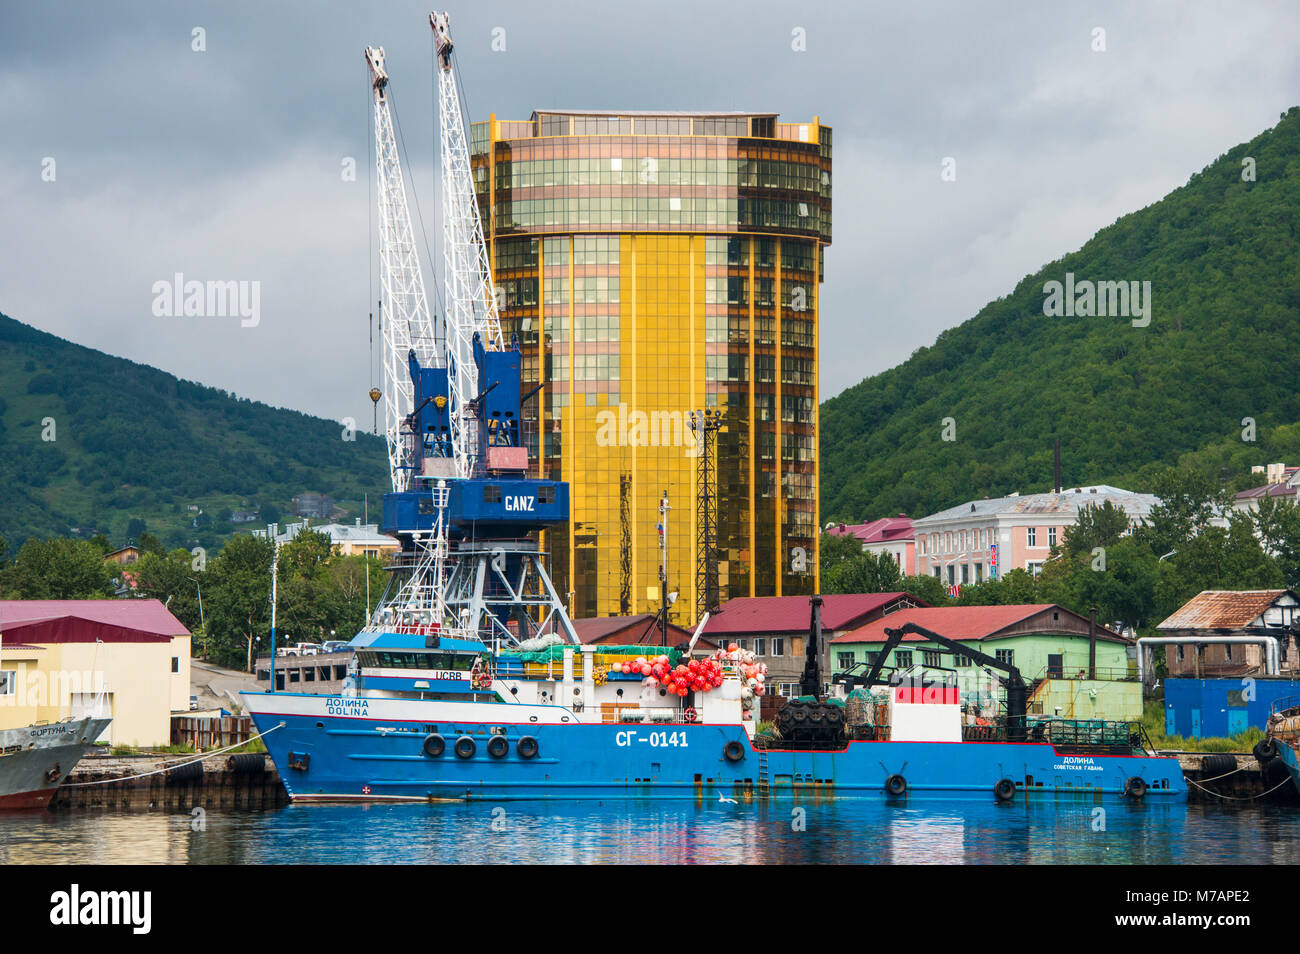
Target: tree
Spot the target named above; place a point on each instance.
(1189, 501)
(169, 578)
(927, 588)
(59, 569)
(1096, 526)
(238, 600)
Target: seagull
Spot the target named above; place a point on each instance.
(724, 800)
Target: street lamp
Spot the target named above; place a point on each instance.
(202, 624)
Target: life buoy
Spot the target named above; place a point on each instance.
(733, 751)
(896, 785)
(1135, 787)
(1005, 790)
(690, 715)
(526, 747)
(498, 747)
(434, 745)
(466, 747)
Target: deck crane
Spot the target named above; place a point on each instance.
(464, 502)
(408, 326)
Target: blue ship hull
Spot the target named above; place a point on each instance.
(331, 749)
(1287, 753)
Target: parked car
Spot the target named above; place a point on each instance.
(334, 646)
(194, 703)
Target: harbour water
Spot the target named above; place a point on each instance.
(844, 831)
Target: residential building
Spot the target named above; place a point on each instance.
(892, 535)
(347, 539)
(123, 555)
(1213, 614)
(1282, 484)
(1072, 670)
(128, 659)
(655, 264)
(985, 539)
(775, 629)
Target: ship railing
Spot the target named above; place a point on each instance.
(1087, 733)
(645, 714)
(1280, 706)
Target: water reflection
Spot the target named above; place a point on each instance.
(788, 832)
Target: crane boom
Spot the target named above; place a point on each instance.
(471, 300)
(407, 325)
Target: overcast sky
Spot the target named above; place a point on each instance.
(225, 164)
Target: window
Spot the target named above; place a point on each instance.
(743, 644)
(778, 647)
(1031, 536)
(960, 662)
(921, 543)
(1051, 536)
(1006, 656)
(760, 647)
(903, 659)
(965, 573)
(176, 664)
(7, 679)
(844, 660)
(933, 659)
(1181, 653)
(1227, 651)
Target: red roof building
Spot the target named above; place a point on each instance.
(775, 627)
(892, 535)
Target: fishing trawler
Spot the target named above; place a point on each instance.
(427, 717)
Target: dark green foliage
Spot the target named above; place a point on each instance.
(134, 447)
(1127, 402)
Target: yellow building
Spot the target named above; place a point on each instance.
(651, 265)
(128, 659)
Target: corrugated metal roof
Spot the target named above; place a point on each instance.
(1221, 609)
(145, 616)
(756, 615)
(959, 622)
(1066, 503)
(884, 530)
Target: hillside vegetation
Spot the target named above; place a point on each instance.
(134, 448)
(1222, 345)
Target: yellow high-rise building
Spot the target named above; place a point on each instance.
(651, 265)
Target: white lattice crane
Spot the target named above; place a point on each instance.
(470, 298)
(406, 321)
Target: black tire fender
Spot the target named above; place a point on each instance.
(434, 745)
(733, 751)
(466, 748)
(1005, 790)
(498, 747)
(1135, 787)
(526, 747)
(896, 785)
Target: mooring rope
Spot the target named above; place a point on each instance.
(1239, 768)
(168, 768)
(1240, 798)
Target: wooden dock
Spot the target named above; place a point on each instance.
(247, 781)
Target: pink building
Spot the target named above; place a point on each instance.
(892, 535)
(986, 539)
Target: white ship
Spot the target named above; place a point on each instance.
(35, 759)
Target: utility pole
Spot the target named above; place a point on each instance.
(663, 567)
(202, 623)
(275, 567)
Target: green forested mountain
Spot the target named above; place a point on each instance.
(135, 448)
(1223, 344)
